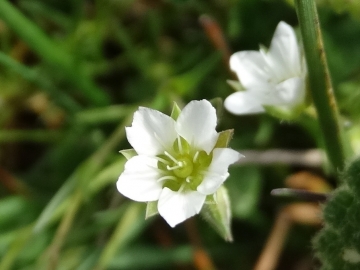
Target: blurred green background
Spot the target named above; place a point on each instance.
(71, 75)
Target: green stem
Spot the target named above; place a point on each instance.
(320, 83)
(51, 52)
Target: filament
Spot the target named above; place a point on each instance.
(171, 157)
(167, 177)
(163, 160)
(196, 156)
(179, 144)
(178, 166)
(181, 188)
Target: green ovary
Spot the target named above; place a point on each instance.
(184, 167)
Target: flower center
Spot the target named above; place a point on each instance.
(183, 167)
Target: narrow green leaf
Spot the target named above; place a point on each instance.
(47, 214)
(129, 227)
(152, 257)
(107, 176)
(151, 209)
(219, 214)
(52, 53)
(96, 116)
(22, 236)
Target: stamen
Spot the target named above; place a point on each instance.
(179, 165)
(163, 160)
(171, 157)
(196, 156)
(181, 188)
(179, 144)
(188, 179)
(167, 177)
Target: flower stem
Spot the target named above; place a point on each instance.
(320, 82)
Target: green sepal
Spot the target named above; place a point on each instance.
(224, 138)
(263, 49)
(218, 213)
(151, 209)
(211, 199)
(218, 104)
(175, 112)
(128, 153)
(235, 85)
(285, 113)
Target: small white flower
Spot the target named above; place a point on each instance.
(270, 78)
(176, 163)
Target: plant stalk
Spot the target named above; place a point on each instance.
(320, 82)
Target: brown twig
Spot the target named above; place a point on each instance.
(202, 259)
(216, 36)
(271, 252)
(303, 213)
(306, 158)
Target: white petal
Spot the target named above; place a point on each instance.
(175, 207)
(250, 68)
(218, 169)
(196, 124)
(284, 53)
(151, 132)
(291, 91)
(139, 179)
(243, 103)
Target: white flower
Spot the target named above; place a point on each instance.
(176, 163)
(270, 78)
